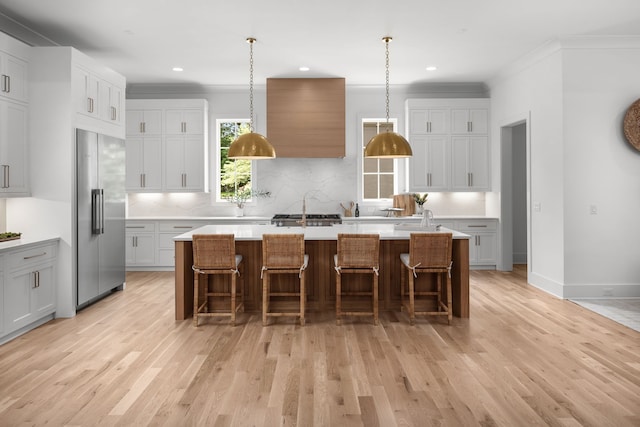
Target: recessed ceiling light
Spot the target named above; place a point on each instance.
(432, 68)
(178, 69)
(303, 68)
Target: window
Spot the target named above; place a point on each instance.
(380, 177)
(233, 175)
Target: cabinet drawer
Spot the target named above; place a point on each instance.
(137, 227)
(28, 257)
(477, 225)
(178, 227)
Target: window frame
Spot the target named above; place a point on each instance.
(400, 166)
(217, 199)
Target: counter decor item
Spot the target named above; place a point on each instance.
(5, 237)
(348, 211)
(420, 199)
(405, 203)
(632, 125)
(242, 196)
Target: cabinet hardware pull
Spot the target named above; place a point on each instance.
(183, 226)
(477, 226)
(470, 179)
(144, 180)
(34, 256)
(6, 83)
(5, 176)
(144, 127)
(470, 126)
(113, 113)
(135, 226)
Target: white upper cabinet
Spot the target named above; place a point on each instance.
(13, 149)
(143, 164)
(429, 121)
(144, 122)
(184, 122)
(470, 121)
(14, 73)
(450, 142)
(429, 165)
(180, 126)
(96, 97)
(469, 163)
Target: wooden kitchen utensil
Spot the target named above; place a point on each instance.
(347, 211)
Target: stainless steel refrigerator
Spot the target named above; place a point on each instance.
(100, 196)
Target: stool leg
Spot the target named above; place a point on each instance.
(195, 299)
(449, 298)
(338, 299)
(303, 295)
(265, 297)
(233, 299)
(375, 299)
(439, 284)
(412, 308)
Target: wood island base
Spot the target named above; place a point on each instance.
(320, 277)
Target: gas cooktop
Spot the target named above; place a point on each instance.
(312, 220)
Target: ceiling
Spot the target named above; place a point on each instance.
(467, 40)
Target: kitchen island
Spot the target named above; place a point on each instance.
(320, 244)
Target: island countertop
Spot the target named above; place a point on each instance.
(255, 231)
(320, 245)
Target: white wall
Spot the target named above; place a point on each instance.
(327, 182)
(576, 94)
(601, 169)
(533, 90)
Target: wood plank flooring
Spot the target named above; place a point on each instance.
(523, 358)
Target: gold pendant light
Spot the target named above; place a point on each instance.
(251, 146)
(386, 145)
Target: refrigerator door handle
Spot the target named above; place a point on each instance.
(101, 211)
(95, 211)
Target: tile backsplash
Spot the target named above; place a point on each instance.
(324, 184)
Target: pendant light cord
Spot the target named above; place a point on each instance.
(387, 40)
(251, 40)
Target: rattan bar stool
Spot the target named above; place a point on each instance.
(281, 254)
(215, 254)
(429, 253)
(357, 253)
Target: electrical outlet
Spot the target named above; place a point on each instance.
(593, 210)
(537, 207)
(607, 292)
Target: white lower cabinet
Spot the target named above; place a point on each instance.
(140, 246)
(29, 286)
(483, 244)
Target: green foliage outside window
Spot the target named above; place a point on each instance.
(235, 175)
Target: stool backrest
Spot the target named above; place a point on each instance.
(430, 250)
(358, 250)
(214, 251)
(283, 250)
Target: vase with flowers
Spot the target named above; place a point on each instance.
(241, 196)
(420, 200)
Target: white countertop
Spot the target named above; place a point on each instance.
(255, 232)
(25, 241)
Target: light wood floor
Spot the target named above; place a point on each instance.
(523, 358)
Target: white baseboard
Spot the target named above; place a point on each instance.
(545, 284)
(615, 290)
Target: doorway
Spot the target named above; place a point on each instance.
(514, 156)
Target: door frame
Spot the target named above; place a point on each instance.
(506, 190)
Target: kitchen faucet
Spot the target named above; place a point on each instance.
(303, 221)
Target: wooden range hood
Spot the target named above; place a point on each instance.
(306, 117)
